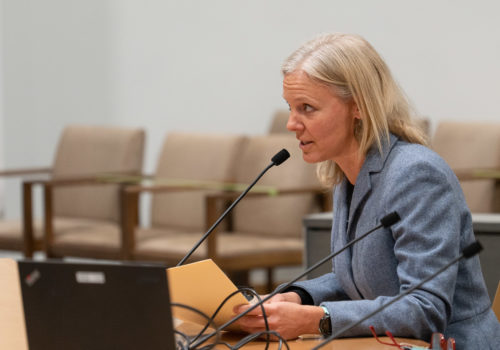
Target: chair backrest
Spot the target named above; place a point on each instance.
(425, 125)
(278, 122)
(496, 303)
(471, 145)
(90, 150)
(192, 156)
(279, 215)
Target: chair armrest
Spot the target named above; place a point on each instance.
(477, 174)
(87, 179)
(25, 171)
(166, 185)
(158, 188)
(215, 201)
(64, 182)
(270, 191)
(323, 195)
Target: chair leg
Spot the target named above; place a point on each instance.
(239, 278)
(270, 280)
(48, 223)
(27, 206)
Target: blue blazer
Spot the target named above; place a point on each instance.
(435, 226)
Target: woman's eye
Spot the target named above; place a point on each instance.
(308, 108)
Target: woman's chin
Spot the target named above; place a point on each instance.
(310, 158)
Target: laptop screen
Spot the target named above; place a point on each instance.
(95, 306)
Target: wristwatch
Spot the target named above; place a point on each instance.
(325, 324)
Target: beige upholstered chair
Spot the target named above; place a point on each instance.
(81, 214)
(496, 303)
(264, 230)
(190, 165)
(278, 122)
(470, 148)
(425, 125)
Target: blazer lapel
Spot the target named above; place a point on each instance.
(374, 163)
(346, 230)
(343, 262)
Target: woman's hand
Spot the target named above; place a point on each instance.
(291, 297)
(285, 315)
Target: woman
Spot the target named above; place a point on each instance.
(350, 116)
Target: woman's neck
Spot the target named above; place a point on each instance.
(352, 166)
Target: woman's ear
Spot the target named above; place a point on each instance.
(355, 111)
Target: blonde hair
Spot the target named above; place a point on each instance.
(352, 67)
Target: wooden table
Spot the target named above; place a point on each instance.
(368, 343)
(12, 328)
(13, 331)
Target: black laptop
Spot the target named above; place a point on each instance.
(74, 306)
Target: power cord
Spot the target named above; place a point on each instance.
(180, 345)
(211, 319)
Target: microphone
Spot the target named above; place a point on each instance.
(468, 252)
(277, 159)
(386, 221)
(280, 157)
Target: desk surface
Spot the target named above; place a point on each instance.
(12, 329)
(368, 343)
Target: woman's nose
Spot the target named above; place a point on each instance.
(293, 124)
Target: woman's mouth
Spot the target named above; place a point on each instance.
(304, 144)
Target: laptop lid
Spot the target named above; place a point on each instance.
(75, 306)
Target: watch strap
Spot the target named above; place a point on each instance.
(325, 324)
(325, 310)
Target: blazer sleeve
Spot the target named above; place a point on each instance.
(325, 287)
(429, 200)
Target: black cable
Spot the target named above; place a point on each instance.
(180, 345)
(386, 221)
(252, 337)
(229, 346)
(469, 251)
(212, 318)
(240, 290)
(209, 322)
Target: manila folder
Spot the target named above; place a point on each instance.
(203, 286)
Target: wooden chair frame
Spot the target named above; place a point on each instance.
(29, 243)
(214, 203)
(26, 247)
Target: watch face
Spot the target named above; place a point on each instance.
(325, 326)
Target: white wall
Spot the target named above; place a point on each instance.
(56, 59)
(1, 111)
(214, 65)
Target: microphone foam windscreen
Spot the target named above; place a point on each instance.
(472, 249)
(390, 219)
(280, 157)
